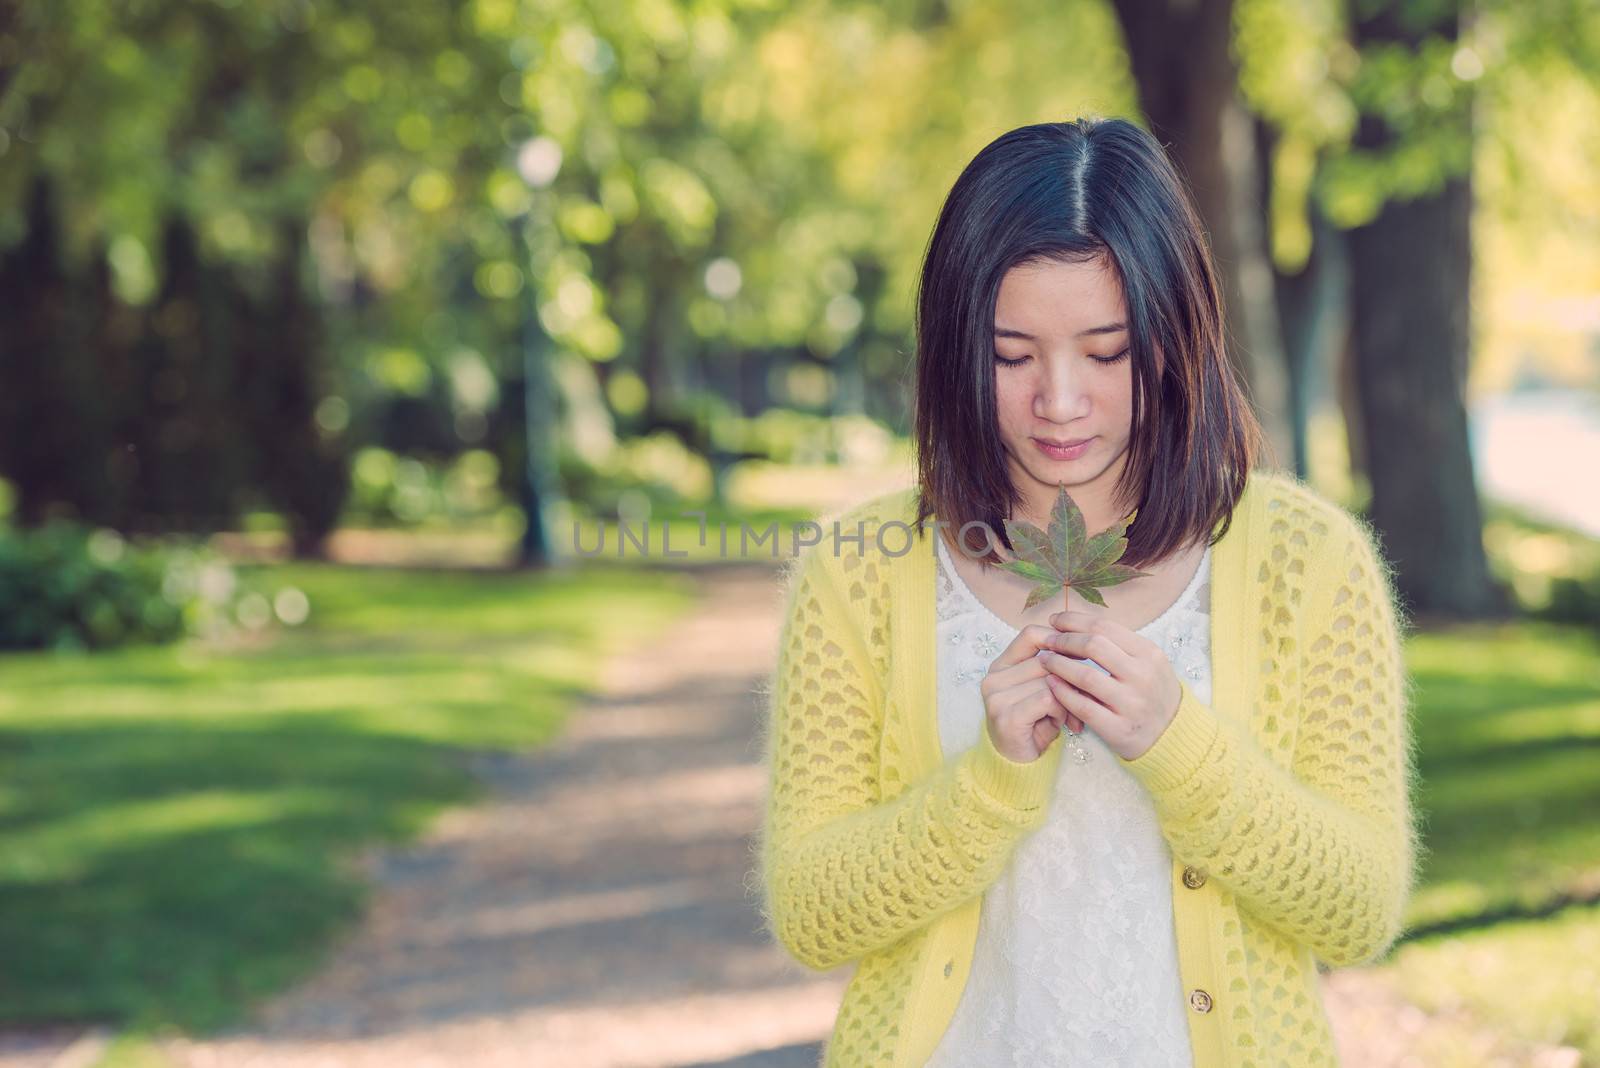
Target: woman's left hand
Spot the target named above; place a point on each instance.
(1132, 701)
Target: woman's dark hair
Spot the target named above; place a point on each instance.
(1076, 192)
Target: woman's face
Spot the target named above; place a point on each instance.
(1066, 324)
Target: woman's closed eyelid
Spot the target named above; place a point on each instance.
(1105, 360)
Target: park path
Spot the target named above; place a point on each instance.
(597, 909)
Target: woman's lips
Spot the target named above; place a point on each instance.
(1056, 452)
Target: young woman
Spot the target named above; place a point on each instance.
(1234, 812)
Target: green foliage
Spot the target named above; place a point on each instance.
(649, 187)
(1574, 600)
(67, 586)
(786, 436)
(661, 469)
(393, 490)
(656, 471)
(1553, 571)
(661, 189)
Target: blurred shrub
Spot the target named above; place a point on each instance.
(790, 437)
(657, 468)
(1554, 571)
(1574, 600)
(394, 490)
(70, 586)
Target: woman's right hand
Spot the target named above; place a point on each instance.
(1022, 714)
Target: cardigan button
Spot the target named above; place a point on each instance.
(1193, 878)
(949, 966)
(1199, 1001)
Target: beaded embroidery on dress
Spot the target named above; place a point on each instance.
(1076, 962)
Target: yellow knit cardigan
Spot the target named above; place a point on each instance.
(1286, 802)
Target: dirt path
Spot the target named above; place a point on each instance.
(593, 912)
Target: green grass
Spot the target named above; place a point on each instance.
(1536, 981)
(176, 820)
(1508, 725)
(1504, 928)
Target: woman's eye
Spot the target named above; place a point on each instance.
(1107, 360)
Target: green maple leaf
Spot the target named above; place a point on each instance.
(1066, 558)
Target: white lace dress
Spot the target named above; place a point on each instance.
(1076, 961)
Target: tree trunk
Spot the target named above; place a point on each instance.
(1410, 336)
(1188, 88)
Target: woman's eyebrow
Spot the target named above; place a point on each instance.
(1108, 328)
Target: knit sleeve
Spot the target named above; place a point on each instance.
(1324, 849)
(846, 871)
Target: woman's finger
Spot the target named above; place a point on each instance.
(1082, 706)
(1111, 658)
(1018, 662)
(1120, 647)
(1030, 670)
(1096, 685)
(1029, 640)
(1102, 687)
(1029, 680)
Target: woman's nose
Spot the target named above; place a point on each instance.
(1059, 399)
